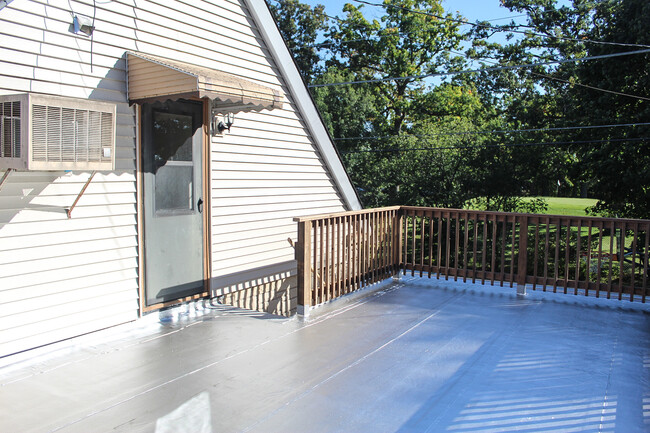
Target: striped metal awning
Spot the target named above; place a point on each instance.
(152, 78)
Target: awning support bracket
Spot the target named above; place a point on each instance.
(5, 177)
(81, 193)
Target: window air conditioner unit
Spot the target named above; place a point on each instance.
(39, 132)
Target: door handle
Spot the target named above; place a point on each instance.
(199, 205)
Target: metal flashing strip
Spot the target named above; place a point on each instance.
(152, 78)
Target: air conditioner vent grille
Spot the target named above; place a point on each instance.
(10, 129)
(71, 135)
(46, 132)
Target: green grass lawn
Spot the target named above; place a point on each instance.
(568, 206)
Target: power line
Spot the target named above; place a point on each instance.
(496, 68)
(401, 34)
(503, 131)
(549, 143)
(591, 87)
(497, 28)
(573, 83)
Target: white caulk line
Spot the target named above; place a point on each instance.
(354, 364)
(212, 364)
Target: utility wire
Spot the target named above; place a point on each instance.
(497, 28)
(591, 87)
(401, 34)
(502, 131)
(548, 143)
(496, 68)
(563, 80)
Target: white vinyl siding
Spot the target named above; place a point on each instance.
(62, 277)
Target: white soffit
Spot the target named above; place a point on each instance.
(302, 98)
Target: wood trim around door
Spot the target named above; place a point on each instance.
(207, 198)
(207, 243)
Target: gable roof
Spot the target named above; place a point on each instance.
(302, 98)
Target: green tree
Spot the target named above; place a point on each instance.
(348, 111)
(591, 93)
(300, 26)
(403, 44)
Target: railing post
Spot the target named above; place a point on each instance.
(522, 262)
(397, 243)
(303, 257)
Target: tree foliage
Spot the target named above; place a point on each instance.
(425, 142)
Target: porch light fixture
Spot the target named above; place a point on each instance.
(218, 126)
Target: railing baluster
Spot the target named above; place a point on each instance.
(364, 250)
(431, 223)
(567, 248)
(484, 253)
(397, 239)
(339, 259)
(474, 249)
(368, 249)
(448, 247)
(422, 245)
(621, 262)
(327, 260)
(404, 238)
(536, 254)
(413, 232)
(504, 246)
(439, 255)
(546, 240)
(372, 256)
(633, 276)
(465, 236)
(577, 285)
(358, 250)
(612, 237)
(493, 257)
(384, 243)
(321, 262)
(376, 247)
(512, 252)
(600, 259)
(644, 288)
(344, 255)
(313, 291)
(588, 270)
(522, 258)
(558, 231)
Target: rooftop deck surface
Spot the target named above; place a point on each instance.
(416, 355)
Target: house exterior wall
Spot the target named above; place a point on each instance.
(62, 277)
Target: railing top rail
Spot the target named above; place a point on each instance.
(347, 213)
(598, 220)
(529, 215)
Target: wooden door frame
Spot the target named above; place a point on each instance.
(207, 214)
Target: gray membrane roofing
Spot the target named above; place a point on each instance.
(415, 355)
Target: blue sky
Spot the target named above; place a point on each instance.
(471, 9)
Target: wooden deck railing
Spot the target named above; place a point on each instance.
(340, 253)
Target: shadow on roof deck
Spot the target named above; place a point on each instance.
(417, 355)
